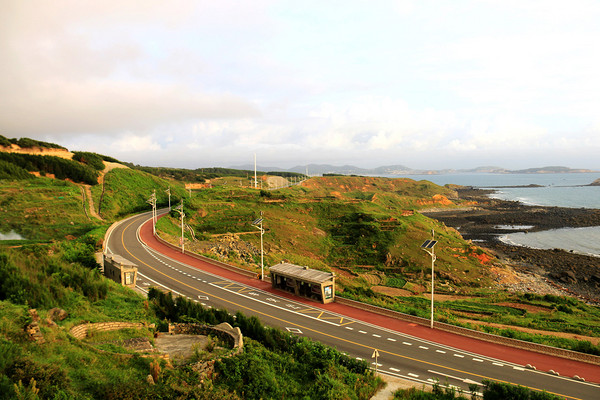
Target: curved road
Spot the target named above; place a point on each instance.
(405, 350)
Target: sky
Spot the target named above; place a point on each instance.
(190, 84)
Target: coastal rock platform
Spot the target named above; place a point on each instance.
(574, 274)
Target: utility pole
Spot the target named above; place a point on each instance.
(179, 209)
(255, 181)
(152, 201)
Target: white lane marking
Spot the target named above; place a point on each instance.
(394, 369)
(465, 380)
(391, 340)
(406, 343)
(459, 356)
(498, 364)
(203, 297)
(273, 305)
(424, 347)
(294, 330)
(519, 368)
(413, 375)
(375, 335)
(349, 328)
(440, 351)
(477, 359)
(363, 332)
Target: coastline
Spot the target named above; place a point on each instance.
(564, 271)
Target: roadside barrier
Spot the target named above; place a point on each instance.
(488, 337)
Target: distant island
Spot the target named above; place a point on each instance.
(399, 170)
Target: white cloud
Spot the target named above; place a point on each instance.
(198, 81)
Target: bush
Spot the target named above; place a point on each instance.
(92, 159)
(503, 391)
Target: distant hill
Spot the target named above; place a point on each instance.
(401, 170)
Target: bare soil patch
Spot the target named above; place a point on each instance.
(390, 291)
(527, 307)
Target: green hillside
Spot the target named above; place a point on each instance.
(53, 266)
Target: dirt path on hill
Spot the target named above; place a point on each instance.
(108, 166)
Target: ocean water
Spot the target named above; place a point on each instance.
(563, 190)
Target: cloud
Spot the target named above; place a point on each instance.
(201, 82)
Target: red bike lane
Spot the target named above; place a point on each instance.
(542, 362)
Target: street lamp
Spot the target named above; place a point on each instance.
(152, 201)
(258, 224)
(428, 246)
(168, 191)
(179, 209)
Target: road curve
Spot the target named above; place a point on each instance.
(405, 350)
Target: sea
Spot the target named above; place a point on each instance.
(562, 190)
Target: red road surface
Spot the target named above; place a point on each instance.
(542, 362)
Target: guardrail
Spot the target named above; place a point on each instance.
(208, 260)
(488, 337)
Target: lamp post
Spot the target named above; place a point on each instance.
(152, 201)
(168, 191)
(258, 224)
(179, 209)
(428, 246)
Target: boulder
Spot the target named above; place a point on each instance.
(57, 314)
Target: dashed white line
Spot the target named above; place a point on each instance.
(394, 369)
(391, 340)
(424, 347)
(375, 335)
(498, 364)
(477, 359)
(440, 351)
(459, 356)
(349, 328)
(406, 343)
(413, 375)
(363, 332)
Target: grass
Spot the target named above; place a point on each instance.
(25, 209)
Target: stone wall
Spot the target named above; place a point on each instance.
(81, 331)
(225, 332)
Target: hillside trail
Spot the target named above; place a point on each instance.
(87, 189)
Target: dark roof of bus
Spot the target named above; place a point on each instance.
(302, 273)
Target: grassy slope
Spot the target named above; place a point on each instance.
(42, 209)
(57, 274)
(302, 223)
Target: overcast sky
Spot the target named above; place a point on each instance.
(426, 84)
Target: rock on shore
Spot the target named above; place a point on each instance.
(575, 273)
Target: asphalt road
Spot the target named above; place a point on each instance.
(355, 332)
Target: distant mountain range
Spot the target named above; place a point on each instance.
(399, 170)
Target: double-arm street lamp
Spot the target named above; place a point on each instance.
(179, 209)
(152, 201)
(428, 246)
(258, 224)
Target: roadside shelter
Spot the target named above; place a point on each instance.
(120, 270)
(303, 281)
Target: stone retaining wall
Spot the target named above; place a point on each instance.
(488, 337)
(225, 332)
(81, 331)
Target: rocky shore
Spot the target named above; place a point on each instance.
(568, 272)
